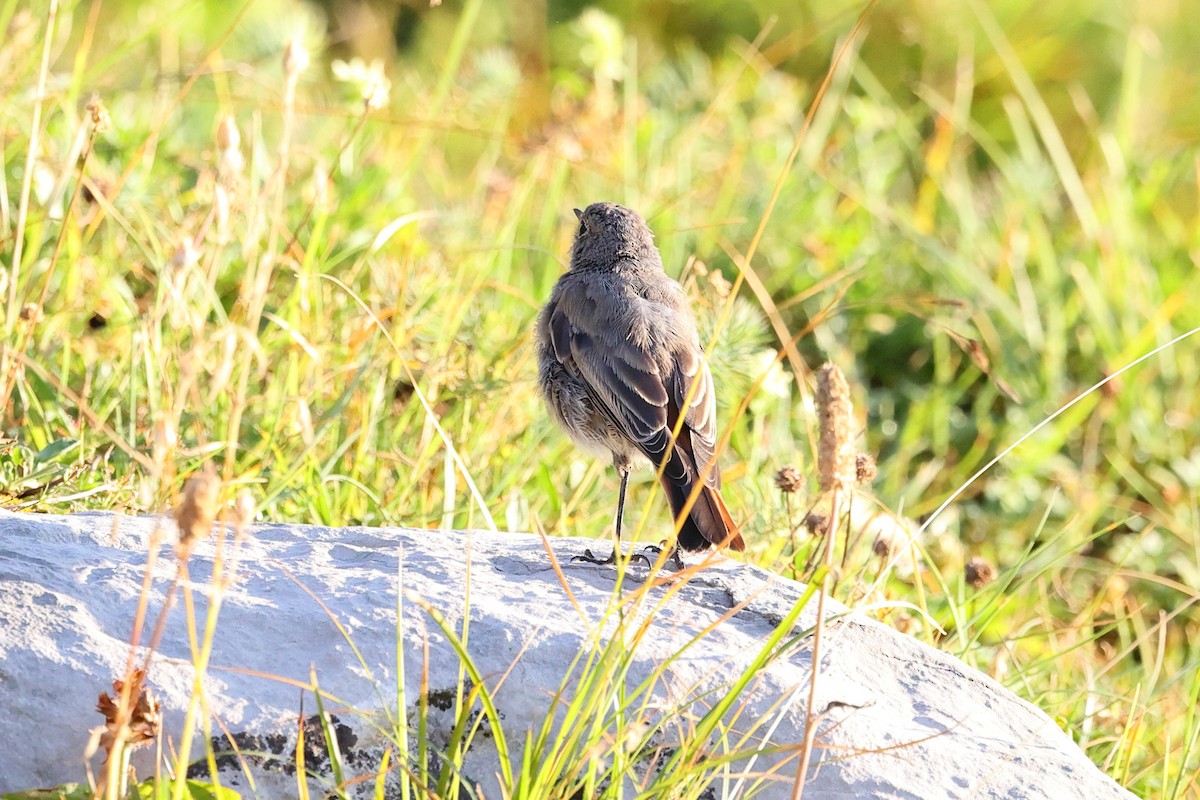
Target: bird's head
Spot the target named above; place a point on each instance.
(611, 236)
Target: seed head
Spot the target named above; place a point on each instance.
(1111, 387)
(882, 547)
(835, 451)
(369, 79)
(789, 480)
(144, 720)
(864, 469)
(228, 135)
(295, 57)
(31, 313)
(198, 509)
(101, 121)
(975, 351)
(230, 160)
(979, 572)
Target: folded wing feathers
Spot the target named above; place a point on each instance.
(628, 386)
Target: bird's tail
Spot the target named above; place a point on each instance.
(708, 522)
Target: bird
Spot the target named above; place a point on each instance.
(620, 363)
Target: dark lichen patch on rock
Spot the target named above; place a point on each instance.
(277, 751)
(443, 699)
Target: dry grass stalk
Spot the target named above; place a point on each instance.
(295, 58)
(163, 447)
(837, 474)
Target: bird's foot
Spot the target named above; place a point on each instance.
(673, 556)
(612, 559)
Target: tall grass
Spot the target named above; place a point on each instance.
(232, 260)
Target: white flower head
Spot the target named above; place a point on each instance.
(369, 79)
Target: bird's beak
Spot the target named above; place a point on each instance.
(578, 213)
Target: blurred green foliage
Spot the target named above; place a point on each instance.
(994, 208)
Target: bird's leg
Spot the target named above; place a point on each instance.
(612, 559)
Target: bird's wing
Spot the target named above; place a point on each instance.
(622, 378)
(692, 387)
(627, 384)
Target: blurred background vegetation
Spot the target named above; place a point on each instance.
(993, 208)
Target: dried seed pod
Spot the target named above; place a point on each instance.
(295, 57)
(864, 469)
(101, 121)
(816, 523)
(230, 160)
(31, 313)
(198, 509)
(228, 135)
(882, 547)
(789, 480)
(979, 572)
(144, 720)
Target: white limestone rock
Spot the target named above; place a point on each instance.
(901, 719)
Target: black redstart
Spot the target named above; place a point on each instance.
(619, 361)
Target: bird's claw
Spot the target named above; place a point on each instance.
(674, 556)
(612, 559)
(591, 559)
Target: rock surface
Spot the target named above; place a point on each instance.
(901, 719)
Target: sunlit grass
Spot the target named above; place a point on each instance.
(335, 308)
